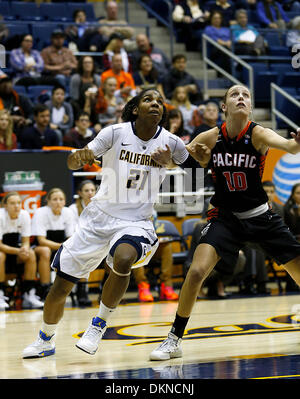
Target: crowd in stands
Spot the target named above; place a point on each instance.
(80, 95)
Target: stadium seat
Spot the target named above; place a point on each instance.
(21, 90)
(25, 11)
(35, 91)
(54, 11)
(5, 9)
(290, 79)
(257, 67)
(262, 83)
(17, 28)
(273, 38)
(41, 33)
(188, 226)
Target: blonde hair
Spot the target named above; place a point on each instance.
(174, 101)
(52, 191)
(9, 130)
(8, 195)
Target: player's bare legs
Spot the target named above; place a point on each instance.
(117, 284)
(204, 260)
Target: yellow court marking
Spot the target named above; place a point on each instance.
(276, 376)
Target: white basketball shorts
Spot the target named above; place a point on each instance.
(96, 237)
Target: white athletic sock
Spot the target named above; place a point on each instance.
(49, 329)
(104, 312)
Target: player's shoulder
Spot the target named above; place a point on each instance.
(24, 214)
(2, 212)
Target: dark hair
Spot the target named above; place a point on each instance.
(80, 65)
(82, 113)
(174, 113)
(38, 108)
(178, 57)
(77, 12)
(58, 87)
(291, 207)
(268, 183)
(214, 13)
(129, 116)
(153, 74)
(80, 187)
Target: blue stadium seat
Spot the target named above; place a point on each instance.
(41, 33)
(262, 84)
(21, 90)
(5, 8)
(257, 67)
(272, 38)
(290, 79)
(25, 11)
(35, 91)
(281, 51)
(17, 28)
(87, 7)
(286, 107)
(54, 11)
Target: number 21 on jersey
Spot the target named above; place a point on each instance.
(236, 181)
(137, 178)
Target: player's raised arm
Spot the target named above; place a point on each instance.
(163, 157)
(78, 158)
(264, 137)
(200, 148)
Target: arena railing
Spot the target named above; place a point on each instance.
(207, 61)
(275, 112)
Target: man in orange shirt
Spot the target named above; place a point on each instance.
(125, 82)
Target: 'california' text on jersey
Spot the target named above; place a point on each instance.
(237, 169)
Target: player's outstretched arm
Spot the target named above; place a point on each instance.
(78, 158)
(164, 157)
(200, 152)
(264, 137)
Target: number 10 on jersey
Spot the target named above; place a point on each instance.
(236, 181)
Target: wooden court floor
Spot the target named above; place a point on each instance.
(236, 338)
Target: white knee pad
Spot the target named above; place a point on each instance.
(121, 274)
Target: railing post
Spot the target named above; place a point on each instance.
(205, 71)
(273, 106)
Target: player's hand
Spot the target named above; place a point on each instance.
(296, 136)
(162, 156)
(200, 152)
(84, 156)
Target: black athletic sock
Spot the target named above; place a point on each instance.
(27, 285)
(179, 325)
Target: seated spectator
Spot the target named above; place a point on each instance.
(178, 76)
(4, 31)
(147, 76)
(293, 35)
(125, 82)
(75, 32)
(205, 117)
(222, 36)
(246, 38)
(115, 46)
(269, 188)
(86, 190)
(51, 226)
(85, 78)
(61, 112)
(18, 105)
(8, 140)
(144, 47)
(107, 102)
(174, 124)
(180, 100)
(226, 8)
(118, 25)
(188, 18)
(15, 251)
(40, 134)
(271, 15)
(81, 134)
(59, 61)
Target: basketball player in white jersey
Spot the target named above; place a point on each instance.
(117, 224)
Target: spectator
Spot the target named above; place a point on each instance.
(188, 18)
(174, 124)
(179, 77)
(222, 36)
(61, 112)
(75, 33)
(293, 35)
(86, 190)
(269, 188)
(205, 117)
(159, 59)
(292, 211)
(81, 134)
(180, 100)
(15, 232)
(40, 134)
(18, 105)
(51, 225)
(271, 15)
(147, 76)
(115, 46)
(85, 78)
(59, 61)
(107, 102)
(121, 26)
(8, 140)
(125, 82)
(4, 31)
(246, 38)
(226, 8)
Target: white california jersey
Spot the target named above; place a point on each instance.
(44, 219)
(130, 178)
(21, 225)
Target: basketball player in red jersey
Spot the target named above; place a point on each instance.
(236, 154)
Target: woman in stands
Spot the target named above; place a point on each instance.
(146, 76)
(16, 256)
(8, 140)
(51, 225)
